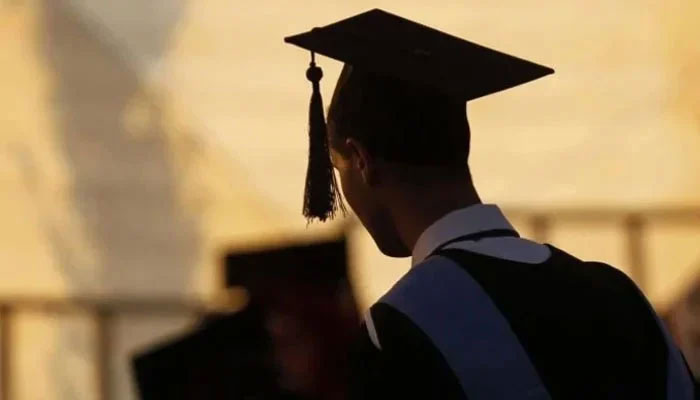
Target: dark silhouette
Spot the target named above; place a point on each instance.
(483, 313)
(291, 341)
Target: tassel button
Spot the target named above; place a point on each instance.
(314, 73)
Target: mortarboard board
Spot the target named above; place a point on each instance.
(319, 263)
(400, 49)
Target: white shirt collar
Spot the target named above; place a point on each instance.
(465, 221)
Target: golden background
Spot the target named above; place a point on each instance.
(139, 139)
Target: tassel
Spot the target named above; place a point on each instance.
(322, 197)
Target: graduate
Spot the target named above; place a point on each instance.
(289, 342)
(483, 313)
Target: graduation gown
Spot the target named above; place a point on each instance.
(465, 325)
(227, 357)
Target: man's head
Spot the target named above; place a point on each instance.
(388, 137)
(387, 119)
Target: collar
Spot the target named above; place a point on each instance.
(465, 221)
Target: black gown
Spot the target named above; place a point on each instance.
(462, 325)
(228, 357)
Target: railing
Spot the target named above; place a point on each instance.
(635, 223)
(102, 313)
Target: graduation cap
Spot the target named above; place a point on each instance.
(322, 263)
(274, 277)
(398, 49)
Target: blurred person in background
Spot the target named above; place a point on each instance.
(309, 313)
(290, 341)
(483, 313)
(310, 330)
(226, 356)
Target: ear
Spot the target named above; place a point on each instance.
(361, 160)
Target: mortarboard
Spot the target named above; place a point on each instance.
(403, 50)
(321, 263)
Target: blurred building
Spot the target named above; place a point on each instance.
(140, 139)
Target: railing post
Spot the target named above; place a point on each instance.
(103, 328)
(540, 227)
(634, 235)
(5, 351)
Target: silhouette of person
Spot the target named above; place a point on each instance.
(483, 313)
(309, 313)
(291, 341)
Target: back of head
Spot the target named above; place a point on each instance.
(380, 103)
(398, 121)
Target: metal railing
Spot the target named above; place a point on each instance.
(102, 312)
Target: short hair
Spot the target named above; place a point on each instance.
(398, 121)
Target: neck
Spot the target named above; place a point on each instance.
(419, 206)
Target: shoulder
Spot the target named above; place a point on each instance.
(602, 280)
(427, 280)
(434, 297)
(397, 314)
(400, 361)
(436, 315)
(404, 357)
